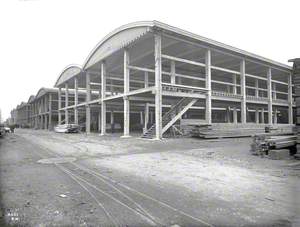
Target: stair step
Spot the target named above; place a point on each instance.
(177, 108)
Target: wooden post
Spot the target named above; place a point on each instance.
(76, 100)
(243, 92)
(141, 118)
(146, 117)
(270, 101)
(262, 116)
(87, 107)
(275, 116)
(45, 121)
(235, 119)
(66, 103)
(59, 106)
(274, 91)
(99, 121)
(208, 86)
(103, 95)
(146, 79)
(158, 88)
(228, 114)
(256, 116)
(42, 122)
(112, 121)
(50, 112)
(290, 99)
(256, 88)
(126, 91)
(173, 71)
(234, 82)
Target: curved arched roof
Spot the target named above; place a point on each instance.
(44, 91)
(31, 99)
(116, 40)
(126, 34)
(67, 73)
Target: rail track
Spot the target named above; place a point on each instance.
(121, 203)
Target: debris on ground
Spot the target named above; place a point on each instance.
(62, 196)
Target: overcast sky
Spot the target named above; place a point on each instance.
(38, 38)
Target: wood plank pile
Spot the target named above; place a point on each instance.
(264, 142)
(296, 82)
(210, 132)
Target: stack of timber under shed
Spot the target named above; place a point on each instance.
(296, 82)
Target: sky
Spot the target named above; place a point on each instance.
(39, 38)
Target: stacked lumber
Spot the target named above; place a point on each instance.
(226, 130)
(211, 132)
(264, 142)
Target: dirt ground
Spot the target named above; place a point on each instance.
(114, 181)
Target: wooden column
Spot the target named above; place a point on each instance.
(256, 116)
(76, 100)
(99, 121)
(208, 86)
(274, 91)
(158, 88)
(228, 114)
(87, 106)
(173, 71)
(42, 122)
(146, 117)
(235, 118)
(66, 103)
(45, 121)
(290, 99)
(112, 121)
(256, 88)
(270, 101)
(103, 95)
(262, 116)
(50, 111)
(141, 118)
(243, 92)
(146, 79)
(275, 116)
(126, 91)
(59, 106)
(234, 82)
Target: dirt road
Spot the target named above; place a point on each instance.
(76, 180)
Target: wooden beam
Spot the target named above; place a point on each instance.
(182, 60)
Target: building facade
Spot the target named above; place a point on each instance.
(150, 76)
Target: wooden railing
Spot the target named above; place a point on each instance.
(225, 94)
(183, 88)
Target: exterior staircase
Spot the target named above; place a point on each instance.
(173, 115)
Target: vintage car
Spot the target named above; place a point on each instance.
(2, 130)
(67, 128)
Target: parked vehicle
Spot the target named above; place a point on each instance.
(7, 130)
(67, 128)
(2, 130)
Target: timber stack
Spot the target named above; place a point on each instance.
(265, 142)
(296, 82)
